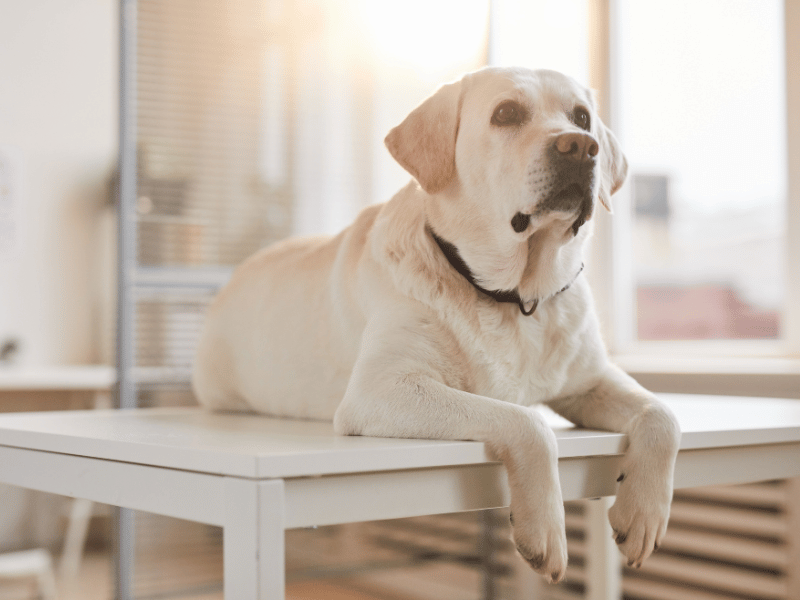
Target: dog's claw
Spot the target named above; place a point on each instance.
(542, 545)
(639, 518)
(536, 561)
(621, 477)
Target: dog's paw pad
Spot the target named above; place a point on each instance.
(536, 561)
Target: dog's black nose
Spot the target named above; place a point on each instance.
(578, 147)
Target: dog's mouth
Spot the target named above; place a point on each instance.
(566, 199)
(567, 202)
(570, 193)
(574, 198)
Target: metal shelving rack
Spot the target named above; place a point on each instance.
(126, 223)
(193, 201)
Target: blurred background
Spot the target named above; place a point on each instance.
(243, 123)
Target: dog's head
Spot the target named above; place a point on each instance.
(514, 162)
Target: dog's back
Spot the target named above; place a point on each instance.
(292, 293)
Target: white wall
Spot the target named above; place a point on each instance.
(58, 110)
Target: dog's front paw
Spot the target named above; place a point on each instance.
(541, 539)
(640, 514)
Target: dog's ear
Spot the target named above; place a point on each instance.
(613, 164)
(425, 142)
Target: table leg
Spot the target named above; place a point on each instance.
(253, 539)
(603, 562)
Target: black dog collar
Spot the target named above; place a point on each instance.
(512, 296)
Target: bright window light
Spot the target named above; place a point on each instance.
(542, 34)
(426, 35)
(702, 118)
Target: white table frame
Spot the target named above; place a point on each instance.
(255, 493)
(75, 382)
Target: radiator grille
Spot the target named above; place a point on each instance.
(723, 543)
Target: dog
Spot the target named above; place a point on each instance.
(451, 309)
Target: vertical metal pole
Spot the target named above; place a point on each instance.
(126, 397)
(126, 262)
(486, 549)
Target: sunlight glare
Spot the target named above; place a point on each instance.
(428, 35)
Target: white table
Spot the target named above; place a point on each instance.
(256, 476)
(66, 378)
(25, 384)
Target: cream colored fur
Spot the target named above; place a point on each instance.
(374, 329)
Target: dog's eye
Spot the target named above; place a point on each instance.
(508, 113)
(581, 118)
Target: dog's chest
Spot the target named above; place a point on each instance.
(521, 359)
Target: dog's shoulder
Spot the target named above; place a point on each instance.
(401, 248)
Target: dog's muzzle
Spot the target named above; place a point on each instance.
(573, 158)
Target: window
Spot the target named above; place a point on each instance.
(700, 92)
(338, 76)
(547, 34)
(697, 257)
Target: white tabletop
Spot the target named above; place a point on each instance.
(58, 378)
(256, 446)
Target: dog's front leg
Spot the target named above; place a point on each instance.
(618, 403)
(398, 389)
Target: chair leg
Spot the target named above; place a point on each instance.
(78, 528)
(47, 581)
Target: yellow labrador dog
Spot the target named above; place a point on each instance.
(451, 309)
